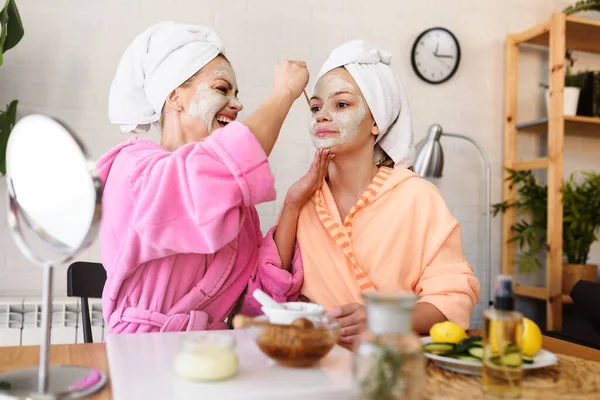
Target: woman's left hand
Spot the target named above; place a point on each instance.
(352, 319)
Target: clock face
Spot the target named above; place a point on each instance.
(436, 55)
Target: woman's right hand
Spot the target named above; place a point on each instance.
(299, 193)
(352, 319)
(291, 77)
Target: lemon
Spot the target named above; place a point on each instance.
(447, 332)
(528, 337)
(496, 338)
(532, 338)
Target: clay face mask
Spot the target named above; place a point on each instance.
(208, 102)
(347, 120)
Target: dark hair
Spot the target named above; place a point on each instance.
(388, 162)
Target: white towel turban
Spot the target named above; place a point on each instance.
(156, 63)
(384, 94)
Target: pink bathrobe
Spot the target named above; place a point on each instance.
(180, 237)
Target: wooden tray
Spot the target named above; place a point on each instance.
(572, 378)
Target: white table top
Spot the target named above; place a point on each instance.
(141, 367)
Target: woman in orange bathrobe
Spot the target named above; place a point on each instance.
(373, 225)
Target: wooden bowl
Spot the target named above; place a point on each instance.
(299, 345)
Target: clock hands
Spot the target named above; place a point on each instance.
(435, 53)
(443, 62)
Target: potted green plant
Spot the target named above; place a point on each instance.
(11, 32)
(584, 5)
(574, 82)
(581, 223)
(529, 231)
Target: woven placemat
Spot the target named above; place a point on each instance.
(572, 378)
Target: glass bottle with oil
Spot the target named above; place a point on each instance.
(502, 340)
(388, 361)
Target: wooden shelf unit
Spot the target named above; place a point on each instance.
(574, 126)
(559, 33)
(581, 33)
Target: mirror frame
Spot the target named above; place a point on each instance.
(16, 215)
(18, 221)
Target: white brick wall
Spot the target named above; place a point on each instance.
(66, 62)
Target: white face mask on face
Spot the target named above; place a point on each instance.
(346, 121)
(208, 102)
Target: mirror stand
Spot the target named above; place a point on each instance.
(51, 381)
(46, 328)
(27, 214)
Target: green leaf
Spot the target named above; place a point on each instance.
(581, 216)
(11, 27)
(3, 30)
(8, 120)
(464, 346)
(528, 262)
(581, 222)
(584, 5)
(379, 380)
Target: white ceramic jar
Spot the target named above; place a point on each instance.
(207, 357)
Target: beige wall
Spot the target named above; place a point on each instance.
(66, 62)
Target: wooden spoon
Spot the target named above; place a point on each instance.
(306, 97)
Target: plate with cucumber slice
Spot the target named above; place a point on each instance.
(465, 357)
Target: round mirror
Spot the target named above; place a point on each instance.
(53, 189)
(54, 203)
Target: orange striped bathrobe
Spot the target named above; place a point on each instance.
(400, 236)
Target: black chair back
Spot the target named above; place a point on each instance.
(86, 280)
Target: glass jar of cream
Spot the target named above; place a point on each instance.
(207, 357)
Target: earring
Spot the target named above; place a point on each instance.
(179, 108)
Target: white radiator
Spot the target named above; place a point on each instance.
(95, 306)
(20, 321)
(11, 321)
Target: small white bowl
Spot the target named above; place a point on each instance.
(293, 311)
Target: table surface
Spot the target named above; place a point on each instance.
(89, 355)
(572, 372)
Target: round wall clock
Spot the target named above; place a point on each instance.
(436, 55)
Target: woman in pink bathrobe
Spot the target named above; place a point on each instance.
(180, 237)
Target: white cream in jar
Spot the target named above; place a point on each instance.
(207, 357)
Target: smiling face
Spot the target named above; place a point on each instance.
(340, 117)
(215, 100)
(207, 101)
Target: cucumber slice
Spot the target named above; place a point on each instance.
(477, 343)
(439, 348)
(528, 360)
(476, 352)
(513, 348)
(466, 344)
(468, 358)
(508, 360)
